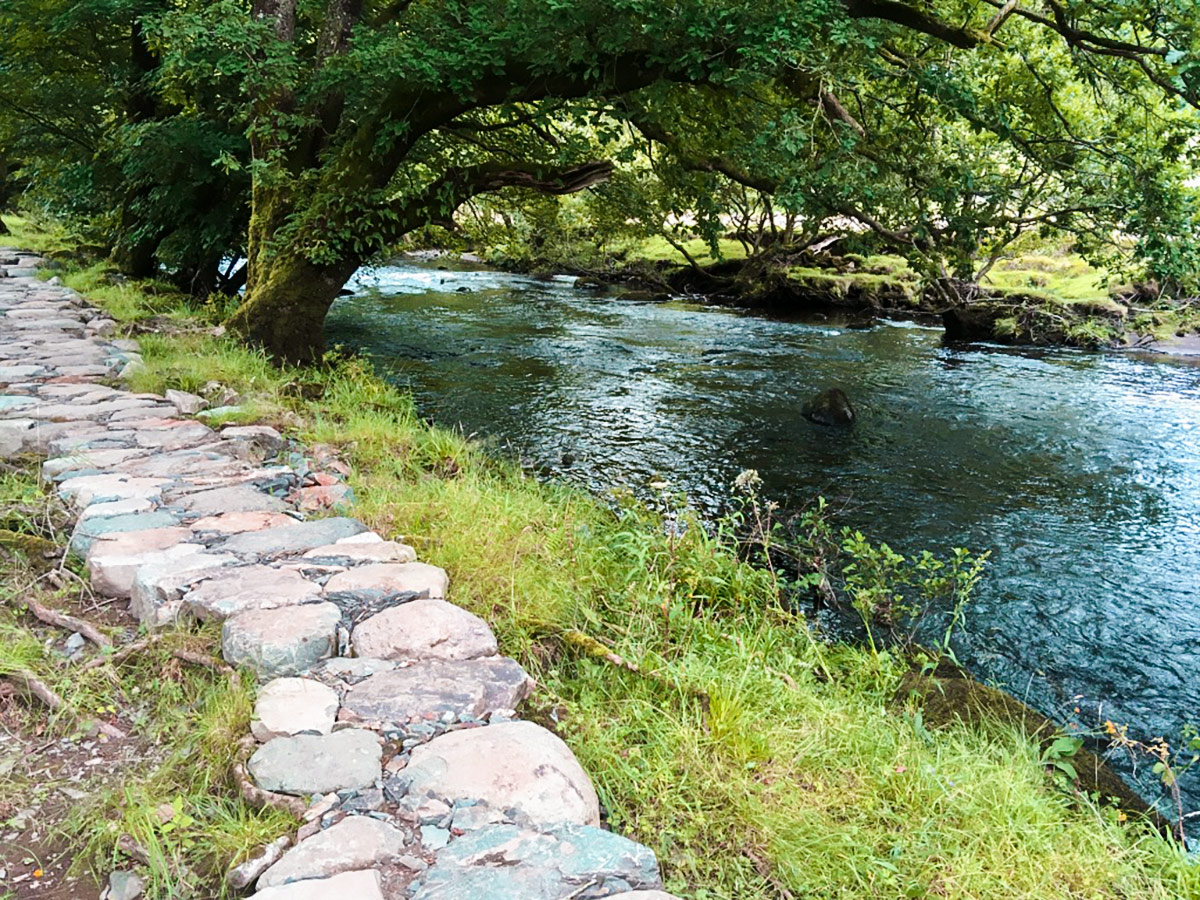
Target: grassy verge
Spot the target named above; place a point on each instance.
(756, 761)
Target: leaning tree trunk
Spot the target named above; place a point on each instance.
(284, 311)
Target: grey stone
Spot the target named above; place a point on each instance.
(356, 842)
(113, 560)
(291, 539)
(247, 588)
(262, 441)
(16, 436)
(125, 886)
(318, 764)
(351, 670)
(159, 585)
(239, 498)
(284, 641)
(187, 404)
(92, 526)
(288, 706)
(504, 862)
(423, 629)
(361, 885)
(351, 553)
(102, 488)
(473, 688)
(513, 764)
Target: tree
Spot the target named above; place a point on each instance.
(370, 120)
(83, 110)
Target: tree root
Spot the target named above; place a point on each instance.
(123, 654)
(31, 684)
(252, 793)
(70, 623)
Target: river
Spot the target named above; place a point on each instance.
(1079, 471)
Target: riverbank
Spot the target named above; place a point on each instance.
(752, 759)
(1039, 299)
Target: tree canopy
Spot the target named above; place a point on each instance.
(312, 137)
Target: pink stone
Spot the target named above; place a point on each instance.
(239, 522)
(249, 587)
(392, 578)
(424, 629)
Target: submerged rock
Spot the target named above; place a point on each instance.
(831, 407)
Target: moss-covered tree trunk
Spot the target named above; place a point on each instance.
(287, 296)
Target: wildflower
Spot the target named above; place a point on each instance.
(748, 481)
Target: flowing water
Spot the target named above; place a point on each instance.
(1079, 471)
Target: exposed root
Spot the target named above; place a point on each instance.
(70, 623)
(123, 654)
(252, 793)
(242, 876)
(31, 684)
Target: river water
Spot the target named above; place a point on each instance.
(1079, 471)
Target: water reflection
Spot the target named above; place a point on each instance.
(1080, 472)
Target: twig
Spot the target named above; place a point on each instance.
(203, 659)
(121, 655)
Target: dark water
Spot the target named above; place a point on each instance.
(1080, 472)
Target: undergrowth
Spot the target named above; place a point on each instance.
(757, 761)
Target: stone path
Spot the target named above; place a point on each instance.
(385, 711)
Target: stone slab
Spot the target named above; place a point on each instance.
(422, 629)
(288, 706)
(291, 539)
(426, 690)
(383, 579)
(510, 764)
(355, 843)
(505, 862)
(360, 885)
(247, 588)
(275, 642)
(318, 764)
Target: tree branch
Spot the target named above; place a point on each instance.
(917, 20)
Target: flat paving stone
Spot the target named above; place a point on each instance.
(422, 629)
(355, 843)
(475, 688)
(361, 885)
(103, 488)
(113, 562)
(383, 579)
(292, 539)
(318, 764)
(239, 522)
(238, 498)
(247, 588)
(159, 585)
(505, 862)
(286, 641)
(351, 553)
(510, 764)
(288, 706)
(104, 523)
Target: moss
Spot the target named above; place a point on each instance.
(958, 699)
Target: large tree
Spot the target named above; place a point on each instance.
(369, 120)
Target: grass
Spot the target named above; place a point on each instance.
(756, 761)
(186, 722)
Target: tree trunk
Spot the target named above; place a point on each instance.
(284, 312)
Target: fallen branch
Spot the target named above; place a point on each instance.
(70, 623)
(30, 683)
(204, 660)
(252, 793)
